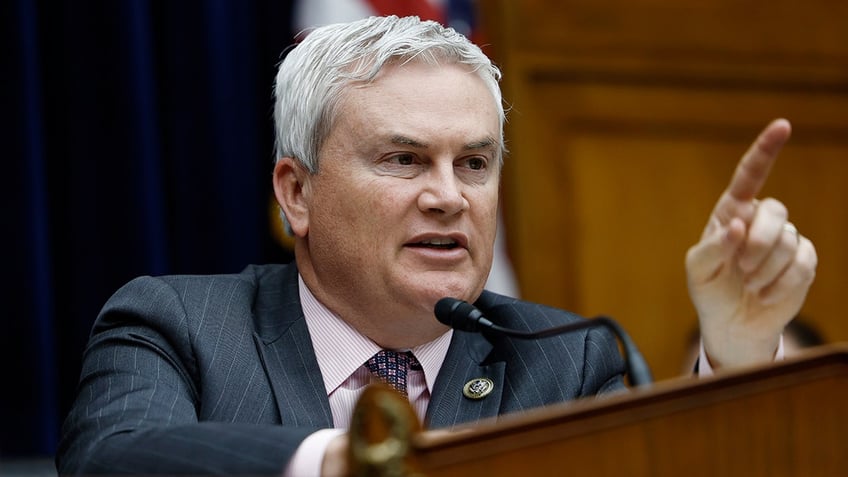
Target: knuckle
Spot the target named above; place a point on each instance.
(774, 207)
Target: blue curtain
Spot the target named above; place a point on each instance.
(140, 142)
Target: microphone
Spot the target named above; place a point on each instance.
(464, 316)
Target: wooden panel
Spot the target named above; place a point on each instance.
(685, 35)
(627, 121)
(785, 419)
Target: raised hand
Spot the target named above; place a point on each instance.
(750, 272)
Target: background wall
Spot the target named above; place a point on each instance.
(627, 121)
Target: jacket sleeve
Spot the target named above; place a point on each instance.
(141, 408)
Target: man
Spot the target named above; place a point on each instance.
(389, 151)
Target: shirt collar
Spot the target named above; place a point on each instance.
(330, 334)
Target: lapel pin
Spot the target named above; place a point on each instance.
(478, 388)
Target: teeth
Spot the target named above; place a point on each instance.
(438, 241)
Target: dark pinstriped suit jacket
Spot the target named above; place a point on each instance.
(216, 375)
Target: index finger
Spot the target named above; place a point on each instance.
(753, 169)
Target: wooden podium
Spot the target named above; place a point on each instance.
(788, 418)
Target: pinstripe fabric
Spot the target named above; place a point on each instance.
(526, 374)
(216, 375)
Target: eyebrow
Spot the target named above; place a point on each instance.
(485, 143)
(407, 141)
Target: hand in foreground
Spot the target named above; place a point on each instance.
(334, 463)
(750, 272)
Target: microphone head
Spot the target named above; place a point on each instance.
(457, 314)
(444, 310)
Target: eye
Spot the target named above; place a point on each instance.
(400, 164)
(402, 159)
(475, 169)
(476, 163)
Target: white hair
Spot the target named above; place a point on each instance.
(314, 75)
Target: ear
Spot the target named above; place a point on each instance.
(291, 188)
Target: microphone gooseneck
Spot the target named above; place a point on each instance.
(461, 315)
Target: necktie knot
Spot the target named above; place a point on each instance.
(392, 367)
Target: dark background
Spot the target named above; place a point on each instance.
(140, 141)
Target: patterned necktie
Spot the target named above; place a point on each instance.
(391, 367)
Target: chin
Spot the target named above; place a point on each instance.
(461, 292)
(432, 287)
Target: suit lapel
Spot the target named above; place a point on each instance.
(285, 347)
(282, 339)
(465, 361)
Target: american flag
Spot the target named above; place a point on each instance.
(458, 14)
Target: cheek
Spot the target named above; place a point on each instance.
(486, 203)
(363, 213)
(487, 223)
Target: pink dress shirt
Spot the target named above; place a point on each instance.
(341, 352)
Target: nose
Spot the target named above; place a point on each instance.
(443, 191)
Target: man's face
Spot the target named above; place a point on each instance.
(402, 211)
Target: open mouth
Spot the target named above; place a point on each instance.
(437, 243)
